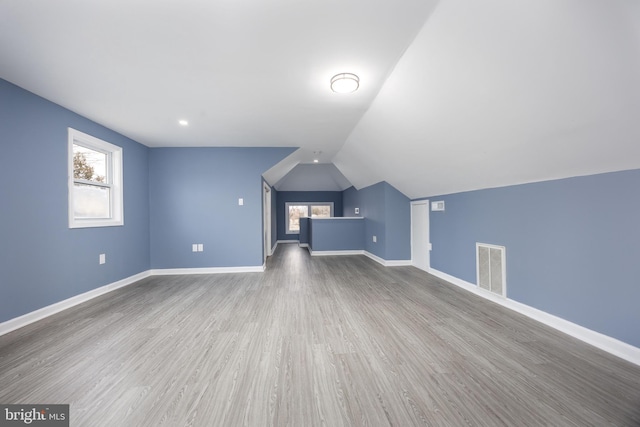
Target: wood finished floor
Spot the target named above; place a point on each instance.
(323, 341)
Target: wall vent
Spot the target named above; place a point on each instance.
(491, 268)
(437, 206)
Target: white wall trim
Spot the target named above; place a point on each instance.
(603, 342)
(273, 249)
(303, 245)
(397, 262)
(333, 218)
(208, 270)
(34, 316)
(331, 253)
(388, 263)
(281, 242)
(41, 313)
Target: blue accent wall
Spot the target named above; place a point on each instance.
(42, 261)
(397, 224)
(284, 197)
(572, 246)
(387, 214)
(304, 236)
(336, 234)
(194, 196)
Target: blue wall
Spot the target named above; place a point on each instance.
(194, 196)
(303, 196)
(387, 215)
(397, 224)
(336, 234)
(304, 236)
(42, 261)
(572, 246)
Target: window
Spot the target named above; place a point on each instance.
(297, 210)
(95, 182)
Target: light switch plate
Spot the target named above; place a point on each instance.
(375, 239)
(103, 258)
(194, 247)
(240, 201)
(200, 247)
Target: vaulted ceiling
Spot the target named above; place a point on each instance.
(455, 94)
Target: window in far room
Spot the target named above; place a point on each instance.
(95, 182)
(297, 210)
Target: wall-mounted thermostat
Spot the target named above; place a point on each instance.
(437, 206)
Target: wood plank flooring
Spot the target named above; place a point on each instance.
(323, 341)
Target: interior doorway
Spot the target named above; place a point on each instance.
(266, 206)
(420, 245)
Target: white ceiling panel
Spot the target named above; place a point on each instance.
(455, 95)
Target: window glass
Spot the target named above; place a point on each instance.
(297, 210)
(295, 213)
(95, 182)
(321, 211)
(88, 164)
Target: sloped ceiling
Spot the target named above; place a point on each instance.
(313, 177)
(243, 73)
(494, 93)
(455, 94)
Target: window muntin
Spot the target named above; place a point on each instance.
(95, 182)
(296, 210)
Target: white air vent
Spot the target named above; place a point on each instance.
(437, 206)
(491, 268)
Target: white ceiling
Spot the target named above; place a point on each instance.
(500, 92)
(243, 73)
(487, 93)
(313, 177)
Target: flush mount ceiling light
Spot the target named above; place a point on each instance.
(345, 83)
(183, 123)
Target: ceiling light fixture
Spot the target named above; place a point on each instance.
(183, 123)
(345, 83)
(315, 160)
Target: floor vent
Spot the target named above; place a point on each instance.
(491, 268)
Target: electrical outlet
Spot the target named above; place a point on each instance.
(375, 239)
(103, 258)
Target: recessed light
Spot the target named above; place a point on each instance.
(183, 123)
(315, 160)
(345, 83)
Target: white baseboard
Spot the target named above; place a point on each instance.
(387, 263)
(331, 253)
(281, 242)
(603, 342)
(207, 270)
(34, 316)
(273, 249)
(303, 245)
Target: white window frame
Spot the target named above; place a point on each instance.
(309, 206)
(114, 173)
